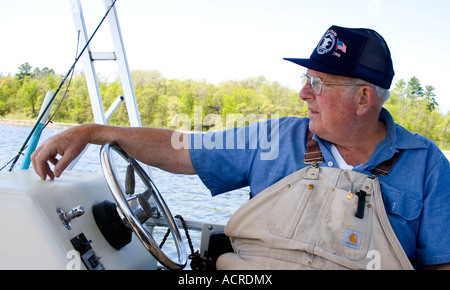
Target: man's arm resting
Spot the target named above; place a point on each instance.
(149, 145)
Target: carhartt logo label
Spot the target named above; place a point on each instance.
(352, 239)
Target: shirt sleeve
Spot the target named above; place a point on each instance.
(433, 243)
(223, 159)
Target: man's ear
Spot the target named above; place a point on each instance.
(365, 99)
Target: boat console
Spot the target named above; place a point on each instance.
(50, 225)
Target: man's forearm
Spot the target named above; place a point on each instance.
(149, 145)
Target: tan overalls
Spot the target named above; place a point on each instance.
(315, 218)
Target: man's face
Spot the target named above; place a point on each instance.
(333, 112)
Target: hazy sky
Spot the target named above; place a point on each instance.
(218, 40)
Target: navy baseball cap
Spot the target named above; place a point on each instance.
(352, 52)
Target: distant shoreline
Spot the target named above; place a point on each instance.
(29, 123)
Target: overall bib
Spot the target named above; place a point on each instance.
(315, 218)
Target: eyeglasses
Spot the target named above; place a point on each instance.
(317, 83)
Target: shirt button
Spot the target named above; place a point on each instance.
(330, 163)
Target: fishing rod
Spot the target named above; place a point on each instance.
(24, 146)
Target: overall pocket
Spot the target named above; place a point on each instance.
(289, 208)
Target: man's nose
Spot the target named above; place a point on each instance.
(306, 93)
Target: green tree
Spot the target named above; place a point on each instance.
(417, 110)
(24, 72)
(28, 94)
(429, 95)
(42, 74)
(8, 90)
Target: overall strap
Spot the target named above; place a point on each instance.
(314, 155)
(384, 168)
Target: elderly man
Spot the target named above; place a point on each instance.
(347, 188)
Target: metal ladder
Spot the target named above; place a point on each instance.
(117, 55)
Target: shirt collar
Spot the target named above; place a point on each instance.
(398, 137)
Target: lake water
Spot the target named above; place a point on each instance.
(184, 194)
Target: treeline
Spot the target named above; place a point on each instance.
(415, 108)
(161, 99)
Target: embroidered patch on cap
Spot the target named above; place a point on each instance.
(327, 42)
(352, 239)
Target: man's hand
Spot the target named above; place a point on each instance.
(68, 144)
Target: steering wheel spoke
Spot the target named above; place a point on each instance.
(130, 181)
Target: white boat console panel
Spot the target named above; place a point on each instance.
(50, 225)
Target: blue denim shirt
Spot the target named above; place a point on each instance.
(416, 192)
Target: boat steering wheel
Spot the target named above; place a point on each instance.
(135, 209)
